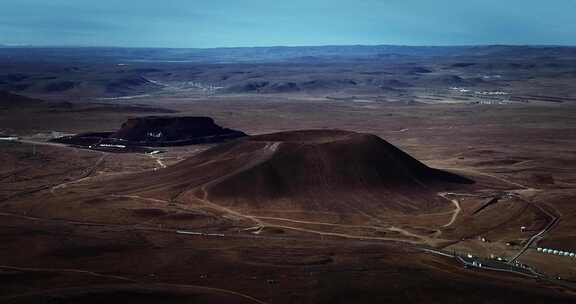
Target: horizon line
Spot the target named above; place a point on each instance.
(286, 46)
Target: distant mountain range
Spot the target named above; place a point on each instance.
(273, 54)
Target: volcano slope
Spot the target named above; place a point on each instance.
(327, 182)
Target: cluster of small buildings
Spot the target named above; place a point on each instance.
(485, 93)
(461, 90)
(476, 264)
(112, 146)
(497, 76)
(490, 93)
(96, 146)
(154, 134)
(556, 252)
(483, 97)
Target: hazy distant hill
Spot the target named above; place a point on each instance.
(271, 54)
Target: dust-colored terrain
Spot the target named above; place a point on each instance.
(381, 200)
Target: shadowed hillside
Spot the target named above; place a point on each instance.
(313, 171)
(332, 175)
(331, 170)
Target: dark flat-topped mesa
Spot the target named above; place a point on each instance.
(158, 131)
(164, 130)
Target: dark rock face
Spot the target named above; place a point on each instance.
(155, 131)
(163, 131)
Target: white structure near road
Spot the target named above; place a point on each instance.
(9, 138)
(556, 252)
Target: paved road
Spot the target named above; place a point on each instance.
(235, 235)
(497, 266)
(51, 144)
(486, 264)
(546, 229)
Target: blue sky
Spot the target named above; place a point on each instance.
(216, 23)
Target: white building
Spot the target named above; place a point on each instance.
(112, 146)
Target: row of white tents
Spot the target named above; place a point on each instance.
(556, 252)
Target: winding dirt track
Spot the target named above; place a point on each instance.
(86, 176)
(456, 210)
(554, 219)
(267, 152)
(121, 278)
(158, 160)
(92, 273)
